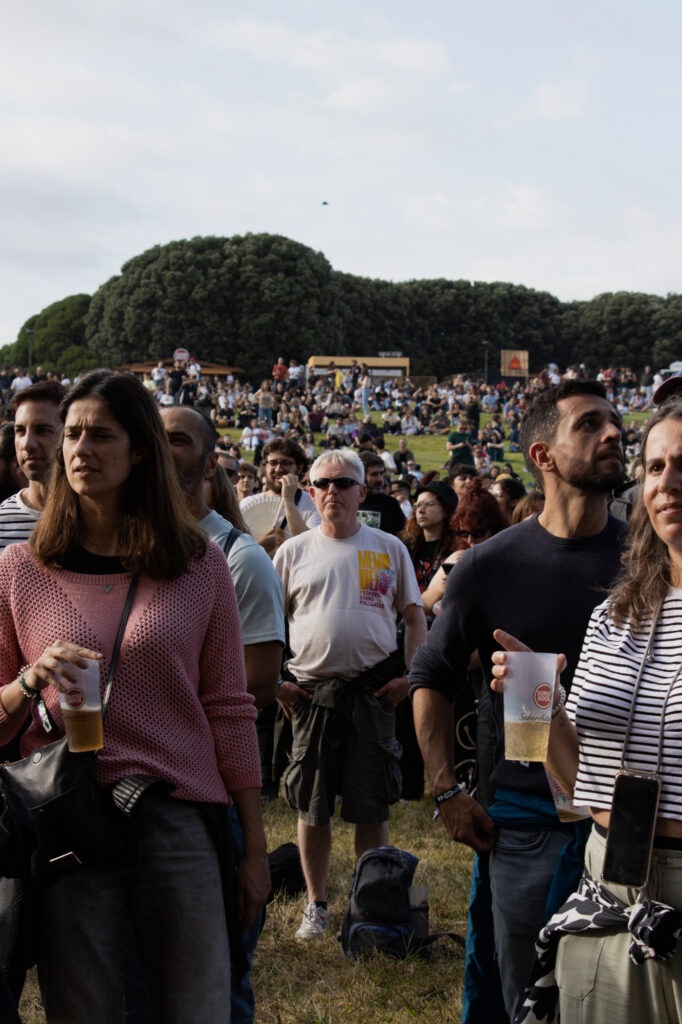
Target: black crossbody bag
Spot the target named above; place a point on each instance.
(72, 826)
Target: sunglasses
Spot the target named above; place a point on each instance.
(342, 483)
(476, 534)
(232, 473)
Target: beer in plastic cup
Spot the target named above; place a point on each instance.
(528, 699)
(81, 708)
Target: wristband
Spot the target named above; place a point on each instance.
(449, 793)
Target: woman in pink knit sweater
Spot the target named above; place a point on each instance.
(179, 710)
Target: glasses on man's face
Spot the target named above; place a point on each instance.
(285, 464)
(341, 483)
(232, 473)
(474, 534)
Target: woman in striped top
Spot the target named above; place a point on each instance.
(626, 699)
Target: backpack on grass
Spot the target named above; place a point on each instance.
(378, 918)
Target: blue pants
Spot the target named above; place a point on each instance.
(172, 891)
(482, 1002)
(242, 999)
(522, 867)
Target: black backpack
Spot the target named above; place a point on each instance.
(378, 917)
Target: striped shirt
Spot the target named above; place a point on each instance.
(601, 697)
(17, 521)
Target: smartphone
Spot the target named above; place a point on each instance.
(632, 827)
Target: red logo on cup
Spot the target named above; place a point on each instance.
(543, 695)
(75, 698)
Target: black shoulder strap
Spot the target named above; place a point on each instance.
(232, 536)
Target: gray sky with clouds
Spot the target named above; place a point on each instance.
(535, 142)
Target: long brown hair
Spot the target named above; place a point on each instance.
(647, 576)
(157, 535)
(223, 499)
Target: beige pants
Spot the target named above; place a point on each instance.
(598, 983)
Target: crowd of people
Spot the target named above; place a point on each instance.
(318, 576)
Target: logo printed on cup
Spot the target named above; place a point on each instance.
(542, 695)
(75, 698)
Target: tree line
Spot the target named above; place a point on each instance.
(248, 299)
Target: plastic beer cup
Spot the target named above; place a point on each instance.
(528, 698)
(81, 708)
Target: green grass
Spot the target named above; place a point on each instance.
(304, 983)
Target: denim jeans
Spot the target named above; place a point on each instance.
(172, 890)
(522, 867)
(482, 1001)
(242, 999)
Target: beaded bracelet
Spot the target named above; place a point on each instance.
(28, 691)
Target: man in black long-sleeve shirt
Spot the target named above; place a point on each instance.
(538, 581)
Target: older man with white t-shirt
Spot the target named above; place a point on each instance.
(344, 585)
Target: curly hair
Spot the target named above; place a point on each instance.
(477, 510)
(647, 573)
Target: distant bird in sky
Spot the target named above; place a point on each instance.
(325, 203)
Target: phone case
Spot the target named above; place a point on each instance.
(632, 827)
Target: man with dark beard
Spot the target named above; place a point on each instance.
(539, 581)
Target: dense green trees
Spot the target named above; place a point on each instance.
(241, 301)
(54, 339)
(248, 299)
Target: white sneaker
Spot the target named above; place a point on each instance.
(314, 923)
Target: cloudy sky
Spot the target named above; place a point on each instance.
(534, 141)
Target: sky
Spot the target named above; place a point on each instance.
(535, 142)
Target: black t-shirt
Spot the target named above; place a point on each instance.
(176, 377)
(382, 512)
(426, 561)
(540, 588)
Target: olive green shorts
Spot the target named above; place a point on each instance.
(363, 769)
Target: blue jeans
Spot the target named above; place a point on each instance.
(242, 999)
(522, 866)
(172, 890)
(482, 1001)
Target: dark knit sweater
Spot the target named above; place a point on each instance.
(538, 587)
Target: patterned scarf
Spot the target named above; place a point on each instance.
(655, 928)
